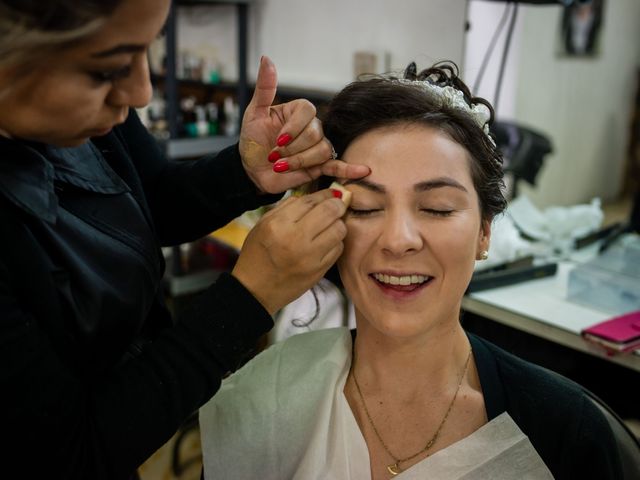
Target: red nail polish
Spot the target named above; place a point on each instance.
(281, 166)
(336, 193)
(273, 156)
(283, 139)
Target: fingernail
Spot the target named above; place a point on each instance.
(273, 156)
(281, 166)
(336, 193)
(283, 139)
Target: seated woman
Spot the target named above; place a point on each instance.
(411, 394)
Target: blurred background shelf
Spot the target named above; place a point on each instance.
(179, 148)
(213, 2)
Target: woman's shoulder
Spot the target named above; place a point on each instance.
(307, 347)
(560, 417)
(517, 374)
(290, 361)
(317, 340)
(544, 403)
(530, 392)
(272, 400)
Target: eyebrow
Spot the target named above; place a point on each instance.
(374, 187)
(120, 49)
(440, 182)
(427, 185)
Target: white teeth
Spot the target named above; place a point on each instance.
(401, 280)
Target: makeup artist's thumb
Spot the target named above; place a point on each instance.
(266, 85)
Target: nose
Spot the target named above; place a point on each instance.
(401, 234)
(135, 90)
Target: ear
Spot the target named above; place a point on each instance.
(484, 238)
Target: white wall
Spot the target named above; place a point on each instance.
(312, 42)
(582, 104)
(484, 18)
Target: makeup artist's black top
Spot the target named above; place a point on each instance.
(95, 375)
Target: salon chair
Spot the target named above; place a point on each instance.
(524, 151)
(628, 443)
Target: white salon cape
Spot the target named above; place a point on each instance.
(284, 416)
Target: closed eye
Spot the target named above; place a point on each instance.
(438, 213)
(362, 212)
(111, 75)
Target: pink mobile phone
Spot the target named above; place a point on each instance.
(621, 333)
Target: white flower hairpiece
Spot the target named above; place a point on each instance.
(451, 97)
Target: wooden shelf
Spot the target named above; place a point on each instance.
(213, 2)
(286, 92)
(232, 87)
(177, 148)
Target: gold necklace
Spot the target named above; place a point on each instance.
(394, 469)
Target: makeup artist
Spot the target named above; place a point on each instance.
(94, 373)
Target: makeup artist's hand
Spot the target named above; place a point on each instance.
(283, 146)
(291, 248)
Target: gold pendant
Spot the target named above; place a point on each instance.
(394, 469)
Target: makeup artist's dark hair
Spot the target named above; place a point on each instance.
(33, 29)
(383, 101)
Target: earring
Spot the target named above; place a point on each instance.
(484, 255)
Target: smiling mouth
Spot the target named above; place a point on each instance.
(401, 283)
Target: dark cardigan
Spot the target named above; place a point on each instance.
(63, 416)
(566, 428)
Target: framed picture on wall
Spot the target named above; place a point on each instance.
(580, 29)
